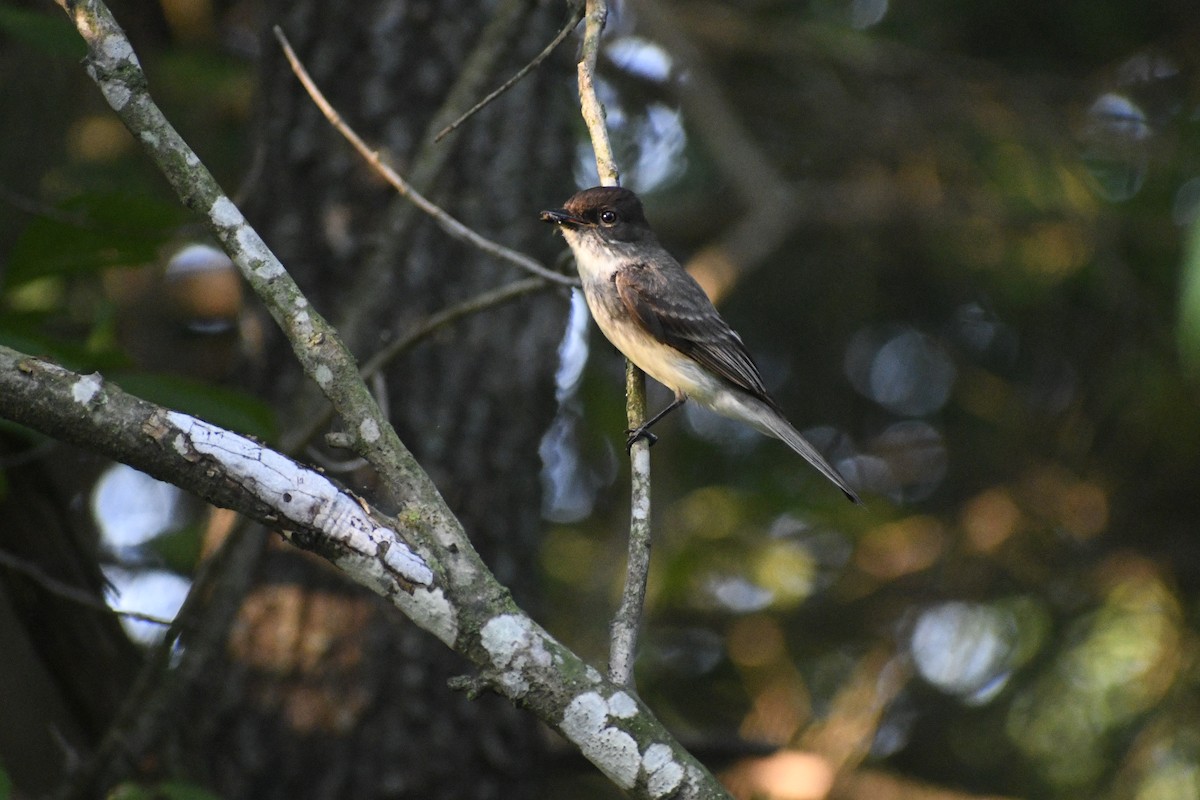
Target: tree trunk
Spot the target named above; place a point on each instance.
(323, 691)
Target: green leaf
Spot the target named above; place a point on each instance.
(169, 790)
(179, 548)
(95, 231)
(15, 332)
(229, 408)
(52, 34)
(5, 785)
(184, 791)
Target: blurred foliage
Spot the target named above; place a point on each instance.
(229, 408)
(52, 36)
(987, 313)
(90, 232)
(162, 791)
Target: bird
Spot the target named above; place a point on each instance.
(659, 317)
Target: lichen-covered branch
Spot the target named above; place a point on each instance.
(228, 470)
(114, 67)
(455, 599)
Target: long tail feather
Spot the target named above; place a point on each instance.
(772, 423)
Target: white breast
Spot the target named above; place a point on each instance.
(663, 363)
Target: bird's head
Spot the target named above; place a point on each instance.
(607, 213)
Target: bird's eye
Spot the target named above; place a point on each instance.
(608, 217)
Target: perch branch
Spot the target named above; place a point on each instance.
(623, 631)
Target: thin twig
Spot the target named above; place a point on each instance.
(593, 110)
(205, 616)
(624, 628)
(446, 222)
(576, 15)
(424, 329)
(472, 305)
(69, 592)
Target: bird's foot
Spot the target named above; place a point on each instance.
(638, 433)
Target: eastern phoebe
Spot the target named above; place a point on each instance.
(659, 317)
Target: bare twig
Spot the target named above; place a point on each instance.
(624, 628)
(69, 592)
(301, 435)
(472, 305)
(576, 15)
(446, 222)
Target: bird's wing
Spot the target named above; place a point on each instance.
(673, 309)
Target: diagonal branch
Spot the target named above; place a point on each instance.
(444, 220)
(454, 598)
(113, 65)
(623, 631)
(304, 433)
(572, 21)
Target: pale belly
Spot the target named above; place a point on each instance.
(663, 363)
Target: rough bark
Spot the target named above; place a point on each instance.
(369, 714)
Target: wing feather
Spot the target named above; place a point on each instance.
(673, 308)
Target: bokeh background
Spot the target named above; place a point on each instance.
(962, 241)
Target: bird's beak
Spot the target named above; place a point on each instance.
(561, 217)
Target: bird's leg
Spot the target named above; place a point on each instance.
(643, 430)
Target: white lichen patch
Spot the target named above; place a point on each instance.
(225, 214)
(84, 390)
(368, 429)
(116, 48)
(306, 498)
(116, 93)
(322, 375)
(255, 251)
(150, 138)
(432, 611)
(612, 750)
(396, 555)
(622, 706)
(515, 648)
(641, 460)
(663, 772)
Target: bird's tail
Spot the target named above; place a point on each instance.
(771, 422)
